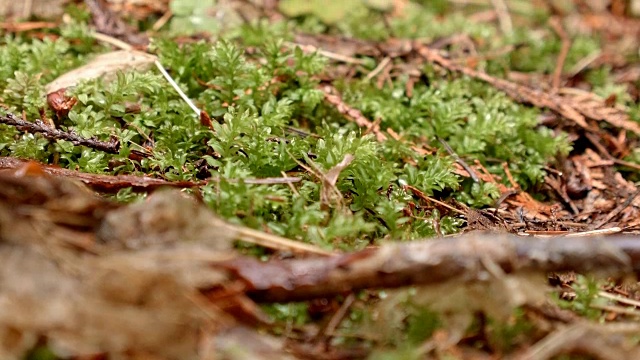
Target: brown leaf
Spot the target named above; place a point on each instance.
(60, 103)
(329, 193)
(105, 66)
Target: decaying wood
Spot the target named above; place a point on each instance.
(462, 259)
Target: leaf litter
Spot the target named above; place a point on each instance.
(148, 277)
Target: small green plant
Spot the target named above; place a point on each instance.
(517, 330)
(586, 293)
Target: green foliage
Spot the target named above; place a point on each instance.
(505, 336)
(421, 325)
(396, 354)
(255, 100)
(291, 314)
(477, 122)
(25, 91)
(537, 51)
(270, 120)
(41, 353)
(193, 15)
(586, 293)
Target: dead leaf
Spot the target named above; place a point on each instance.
(329, 193)
(60, 103)
(105, 66)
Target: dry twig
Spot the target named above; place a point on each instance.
(332, 96)
(576, 109)
(39, 126)
(113, 183)
(556, 25)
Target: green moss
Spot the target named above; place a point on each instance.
(255, 99)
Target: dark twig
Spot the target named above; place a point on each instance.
(617, 210)
(38, 126)
(113, 183)
(457, 158)
(327, 333)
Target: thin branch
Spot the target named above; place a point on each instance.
(457, 158)
(113, 183)
(332, 96)
(562, 56)
(327, 54)
(620, 299)
(175, 86)
(38, 126)
(615, 212)
(423, 196)
(378, 68)
(275, 242)
(506, 25)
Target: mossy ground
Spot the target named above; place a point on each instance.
(270, 119)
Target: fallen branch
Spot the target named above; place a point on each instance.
(113, 183)
(429, 262)
(576, 109)
(38, 126)
(332, 96)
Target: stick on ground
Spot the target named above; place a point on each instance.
(430, 262)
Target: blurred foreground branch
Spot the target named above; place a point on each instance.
(471, 257)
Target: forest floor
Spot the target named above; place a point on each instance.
(264, 179)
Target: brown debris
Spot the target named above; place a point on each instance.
(160, 278)
(60, 103)
(113, 183)
(332, 96)
(131, 291)
(575, 108)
